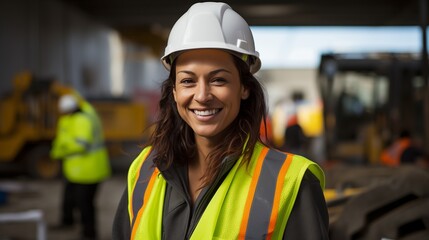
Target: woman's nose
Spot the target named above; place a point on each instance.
(202, 93)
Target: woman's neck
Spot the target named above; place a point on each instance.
(198, 166)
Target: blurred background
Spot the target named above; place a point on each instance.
(346, 83)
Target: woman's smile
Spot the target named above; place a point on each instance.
(206, 114)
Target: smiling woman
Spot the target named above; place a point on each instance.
(208, 92)
(205, 173)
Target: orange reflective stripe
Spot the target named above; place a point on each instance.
(131, 209)
(247, 207)
(279, 188)
(264, 196)
(146, 198)
(150, 186)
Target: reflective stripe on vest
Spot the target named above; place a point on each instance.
(139, 195)
(97, 137)
(251, 203)
(260, 218)
(97, 132)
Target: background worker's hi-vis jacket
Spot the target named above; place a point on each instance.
(250, 203)
(80, 144)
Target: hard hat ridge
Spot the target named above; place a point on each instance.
(212, 25)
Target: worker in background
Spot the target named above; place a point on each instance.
(295, 140)
(402, 151)
(79, 144)
(205, 174)
(415, 154)
(266, 131)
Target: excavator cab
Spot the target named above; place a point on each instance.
(28, 123)
(368, 100)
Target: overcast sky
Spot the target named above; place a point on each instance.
(300, 47)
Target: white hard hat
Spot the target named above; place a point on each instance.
(212, 25)
(67, 103)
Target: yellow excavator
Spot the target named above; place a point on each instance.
(28, 123)
(369, 98)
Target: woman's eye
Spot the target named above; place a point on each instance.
(186, 81)
(219, 81)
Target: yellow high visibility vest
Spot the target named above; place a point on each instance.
(251, 203)
(79, 143)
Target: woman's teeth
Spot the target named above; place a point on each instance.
(206, 112)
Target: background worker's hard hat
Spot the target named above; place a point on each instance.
(212, 25)
(67, 103)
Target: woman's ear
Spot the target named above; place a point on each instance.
(244, 93)
(174, 94)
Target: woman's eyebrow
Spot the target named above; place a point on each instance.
(218, 71)
(214, 72)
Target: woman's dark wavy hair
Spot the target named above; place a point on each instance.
(173, 140)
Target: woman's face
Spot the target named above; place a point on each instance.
(208, 91)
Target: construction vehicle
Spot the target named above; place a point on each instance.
(28, 121)
(368, 99)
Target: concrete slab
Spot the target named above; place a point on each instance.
(44, 195)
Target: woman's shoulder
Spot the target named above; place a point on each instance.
(306, 169)
(313, 172)
(259, 146)
(141, 157)
(143, 154)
